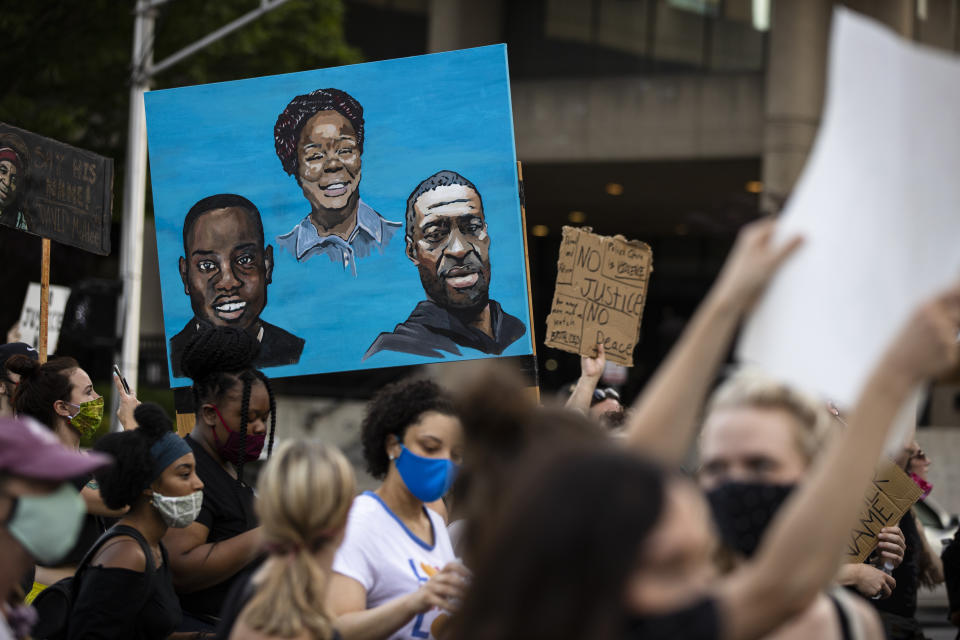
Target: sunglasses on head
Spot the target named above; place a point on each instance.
(599, 395)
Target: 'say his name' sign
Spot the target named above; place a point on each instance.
(601, 289)
(54, 190)
(889, 497)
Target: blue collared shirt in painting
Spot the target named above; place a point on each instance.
(372, 231)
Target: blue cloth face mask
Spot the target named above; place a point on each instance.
(428, 479)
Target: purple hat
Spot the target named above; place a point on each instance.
(11, 349)
(30, 450)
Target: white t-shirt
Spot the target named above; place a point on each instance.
(380, 553)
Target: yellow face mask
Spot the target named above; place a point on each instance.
(88, 417)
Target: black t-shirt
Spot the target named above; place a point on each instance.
(951, 571)
(121, 603)
(227, 511)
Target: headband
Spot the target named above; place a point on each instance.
(164, 451)
(7, 153)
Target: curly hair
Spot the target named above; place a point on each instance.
(290, 122)
(122, 483)
(394, 408)
(217, 360)
(41, 385)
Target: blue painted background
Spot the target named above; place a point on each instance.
(422, 114)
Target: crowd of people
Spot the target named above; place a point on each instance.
(494, 517)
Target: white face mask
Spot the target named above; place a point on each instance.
(178, 511)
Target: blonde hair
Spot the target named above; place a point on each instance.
(303, 497)
(749, 388)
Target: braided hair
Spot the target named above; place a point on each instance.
(219, 358)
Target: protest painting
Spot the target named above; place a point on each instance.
(54, 190)
(889, 497)
(351, 218)
(601, 290)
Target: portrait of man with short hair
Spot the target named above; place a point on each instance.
(225, 269)
(319, 139)
(447, 241)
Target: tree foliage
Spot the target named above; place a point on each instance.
(68, 63)
(66, 68)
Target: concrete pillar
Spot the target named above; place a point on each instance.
(796, 78)
(796, 73)
(458, 24)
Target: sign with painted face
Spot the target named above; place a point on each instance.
(348, 218)
(54, 190)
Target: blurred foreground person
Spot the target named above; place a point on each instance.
(233, 403)
(303, 497)
(40, 511)
(396, 573)
(126, 589)
(60, 395)
(628, 548)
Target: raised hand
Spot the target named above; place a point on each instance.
(751, 264)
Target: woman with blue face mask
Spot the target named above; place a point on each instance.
(126, 589)
(60, 395)
(396, 575)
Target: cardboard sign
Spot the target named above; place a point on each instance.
(601, 289)
(30, 316)
(293, 192)
(890, 496)
(55, 191)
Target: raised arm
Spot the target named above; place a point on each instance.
(590, 371)
(780, 581)
(665, 417)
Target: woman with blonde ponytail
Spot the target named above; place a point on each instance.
(303, 497)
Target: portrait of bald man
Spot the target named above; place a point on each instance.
(447, 241)
(225, 269)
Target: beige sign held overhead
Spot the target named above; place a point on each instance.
(601, 289)
(889, 497)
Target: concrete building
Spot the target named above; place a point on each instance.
(670, 121)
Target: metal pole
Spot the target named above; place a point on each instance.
(134, 195)
(135, 185)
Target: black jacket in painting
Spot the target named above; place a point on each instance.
(277, 347)
(431, 330)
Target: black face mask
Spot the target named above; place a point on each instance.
(742, 511)
(693, 622)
